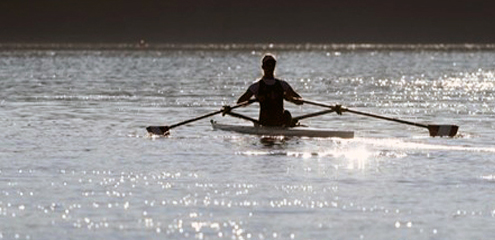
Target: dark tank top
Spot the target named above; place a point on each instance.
(271, 98)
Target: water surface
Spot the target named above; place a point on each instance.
(76, 161)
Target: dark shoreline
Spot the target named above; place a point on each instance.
(249, 46)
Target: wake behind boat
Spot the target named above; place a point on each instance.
(281, 131)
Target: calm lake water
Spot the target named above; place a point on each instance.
(76, 161)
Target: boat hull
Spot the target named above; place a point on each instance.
(279, 131)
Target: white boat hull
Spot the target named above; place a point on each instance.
(279, 131)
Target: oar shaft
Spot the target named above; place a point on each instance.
(237, 115)
(366, 114)
(313, 114)
(317, 103)
(194, 119)
(385, 118)
(210, 114)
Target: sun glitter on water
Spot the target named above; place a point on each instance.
(357, 157)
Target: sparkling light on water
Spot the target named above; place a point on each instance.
(75, 159)
(357, 157)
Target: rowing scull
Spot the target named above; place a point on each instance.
(280, 131)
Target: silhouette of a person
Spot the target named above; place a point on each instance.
(271, 92)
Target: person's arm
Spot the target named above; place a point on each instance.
(292, 96)
(245, 97)
(249, 93)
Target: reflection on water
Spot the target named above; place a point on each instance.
(271, 141)
(357, 158)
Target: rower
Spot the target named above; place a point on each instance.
(271, 92)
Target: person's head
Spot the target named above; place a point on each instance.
(268, 63)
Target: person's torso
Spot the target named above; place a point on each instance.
(270, 94)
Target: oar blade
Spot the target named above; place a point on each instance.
(158, 130)
(443, 130)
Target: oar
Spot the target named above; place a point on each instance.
(237, 115)
(435, 130)
(313, 114)
(163, 130)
